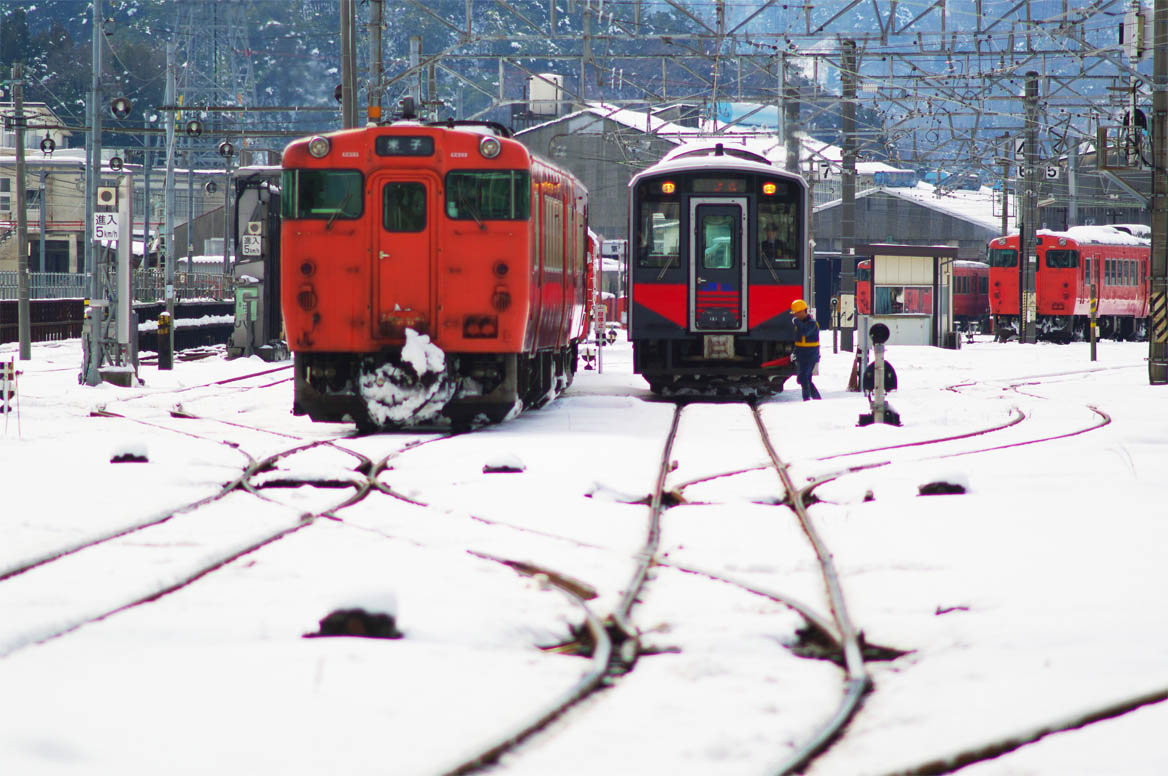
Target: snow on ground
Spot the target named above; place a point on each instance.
(1034, 596)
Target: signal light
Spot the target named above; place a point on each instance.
(668, 187)
(769, 189)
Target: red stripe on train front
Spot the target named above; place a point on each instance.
(668, 301)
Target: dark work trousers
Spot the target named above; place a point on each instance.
(805, 361)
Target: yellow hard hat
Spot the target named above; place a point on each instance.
(798, 305)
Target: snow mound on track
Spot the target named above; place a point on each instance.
(410, 393)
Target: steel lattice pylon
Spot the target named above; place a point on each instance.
(214, 66)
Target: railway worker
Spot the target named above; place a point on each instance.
(806, 348)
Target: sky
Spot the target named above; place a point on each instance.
(1033, 598)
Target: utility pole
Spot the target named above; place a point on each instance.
(847, 291)
(94, 331)
(168, 201)
(415, 81)
(1028, 233)
(23, 325)
(348, 68)
(1007, 149)
(375, 67)
(1158, 337)
(791, 119)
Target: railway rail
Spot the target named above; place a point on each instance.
(20, 582)
(620, 642)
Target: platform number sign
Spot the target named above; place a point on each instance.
(1020, 149)
(825, 171)
(1051, 172)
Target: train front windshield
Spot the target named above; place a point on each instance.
(779, 236)
(488, 194)
(659, 223)
(327, 194)
(1003, 258)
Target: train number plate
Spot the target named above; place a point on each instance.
(719, 346)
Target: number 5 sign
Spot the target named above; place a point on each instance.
(105, 226)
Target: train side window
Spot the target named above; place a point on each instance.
(983, 284)
(403, 207)
(659, 233)
(326, 194)
(779, 237)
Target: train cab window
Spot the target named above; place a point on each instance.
(1061, 259)
(403, 207)
(496, 195)
(863, 274)
(658, 227)
(779, 238)
(1003, 257)
(327, 194)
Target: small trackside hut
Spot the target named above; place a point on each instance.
(718, 252)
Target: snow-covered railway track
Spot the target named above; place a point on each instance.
(145, 561)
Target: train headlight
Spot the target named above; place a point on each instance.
(668, 187)
(490, 147)
(769, 189)
(319, 146)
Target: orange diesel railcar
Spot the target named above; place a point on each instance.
(428, 271)
(1112, 258)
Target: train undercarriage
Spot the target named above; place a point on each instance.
(1074, 328)
(688, 367)
(395, 389)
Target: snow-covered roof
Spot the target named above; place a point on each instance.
(1107, 234)
(975, 207)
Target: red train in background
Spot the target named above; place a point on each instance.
(1113, 258)
(970, 295)
(718, 252)
(429, 272)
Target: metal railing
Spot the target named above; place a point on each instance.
(149, 285)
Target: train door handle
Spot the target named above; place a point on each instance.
(382, 255)
(701, 280)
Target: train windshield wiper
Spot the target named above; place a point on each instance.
(339, 210)
(464, 203)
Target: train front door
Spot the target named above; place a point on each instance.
(402, 250)
(718, 264)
